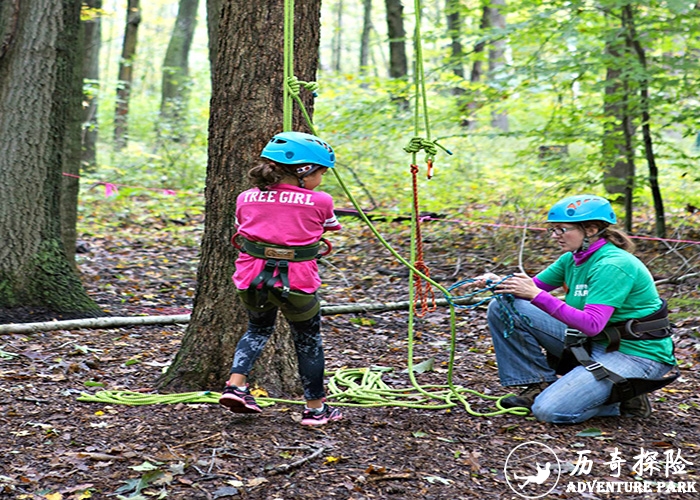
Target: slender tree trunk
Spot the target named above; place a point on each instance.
(499, 119)
(477, 71)
(38, 137)
(365, 37)
(453, 13)
(91, 83)
(619, 108)
(72, 149)
(338, 37)
(175, 82)
(213, 15)
(246, 110)
(398, 62)
(126, 74)
(659, 217)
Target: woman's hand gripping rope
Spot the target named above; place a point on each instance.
(503, 292)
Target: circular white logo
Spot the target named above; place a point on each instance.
(532, 470)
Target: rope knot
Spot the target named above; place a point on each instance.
(418, 143)
(294, 85)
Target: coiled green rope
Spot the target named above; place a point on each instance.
(357, 387)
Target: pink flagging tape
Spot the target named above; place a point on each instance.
(112, 188)
(458, 221)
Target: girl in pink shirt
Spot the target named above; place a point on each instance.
(281, 221)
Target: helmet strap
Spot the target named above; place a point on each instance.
(305, 170)
(587, 240)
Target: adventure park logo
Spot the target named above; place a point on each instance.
(533, 470)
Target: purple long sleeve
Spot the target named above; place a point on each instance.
(542, 285)
(590, 321)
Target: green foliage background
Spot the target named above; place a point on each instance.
(551, 90)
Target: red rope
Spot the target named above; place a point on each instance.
(423, 290)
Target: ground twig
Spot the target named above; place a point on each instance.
(281, 469)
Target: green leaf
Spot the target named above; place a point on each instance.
(425, 366)
(92, 383)
(590, 432)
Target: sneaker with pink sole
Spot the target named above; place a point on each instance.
(238, 401)
(321, 416)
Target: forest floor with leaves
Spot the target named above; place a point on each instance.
(56, 447)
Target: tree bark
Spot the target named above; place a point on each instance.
(246, 110)
(126, 74)
(37, 141)
(175, 81)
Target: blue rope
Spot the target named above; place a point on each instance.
(505, 300)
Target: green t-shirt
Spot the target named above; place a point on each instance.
(613, 277)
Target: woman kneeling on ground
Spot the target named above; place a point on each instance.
(605, 287)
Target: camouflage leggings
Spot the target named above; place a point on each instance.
(307, 342)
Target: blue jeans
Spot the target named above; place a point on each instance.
(307, 342)
(522, 360)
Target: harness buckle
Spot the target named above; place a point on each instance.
(574, 337)
(279, 253)
(594, 366)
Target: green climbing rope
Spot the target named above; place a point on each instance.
(357, 387)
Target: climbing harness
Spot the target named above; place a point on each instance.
(263, 287)
(577, 348)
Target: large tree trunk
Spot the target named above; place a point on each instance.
(126, 74)
(246, 110)
(175, 82)
(91, 83)
(38, 136)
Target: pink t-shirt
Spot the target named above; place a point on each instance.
(284, 215)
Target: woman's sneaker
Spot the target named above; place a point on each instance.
(238, 401)
(638, 406)
(321, 416)
(526, 398)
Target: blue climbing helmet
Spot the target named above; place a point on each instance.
(298, 148)
(581, 208)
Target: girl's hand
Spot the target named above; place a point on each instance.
(520, 285)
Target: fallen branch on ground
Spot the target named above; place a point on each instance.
(280, 469)
(122, 321)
